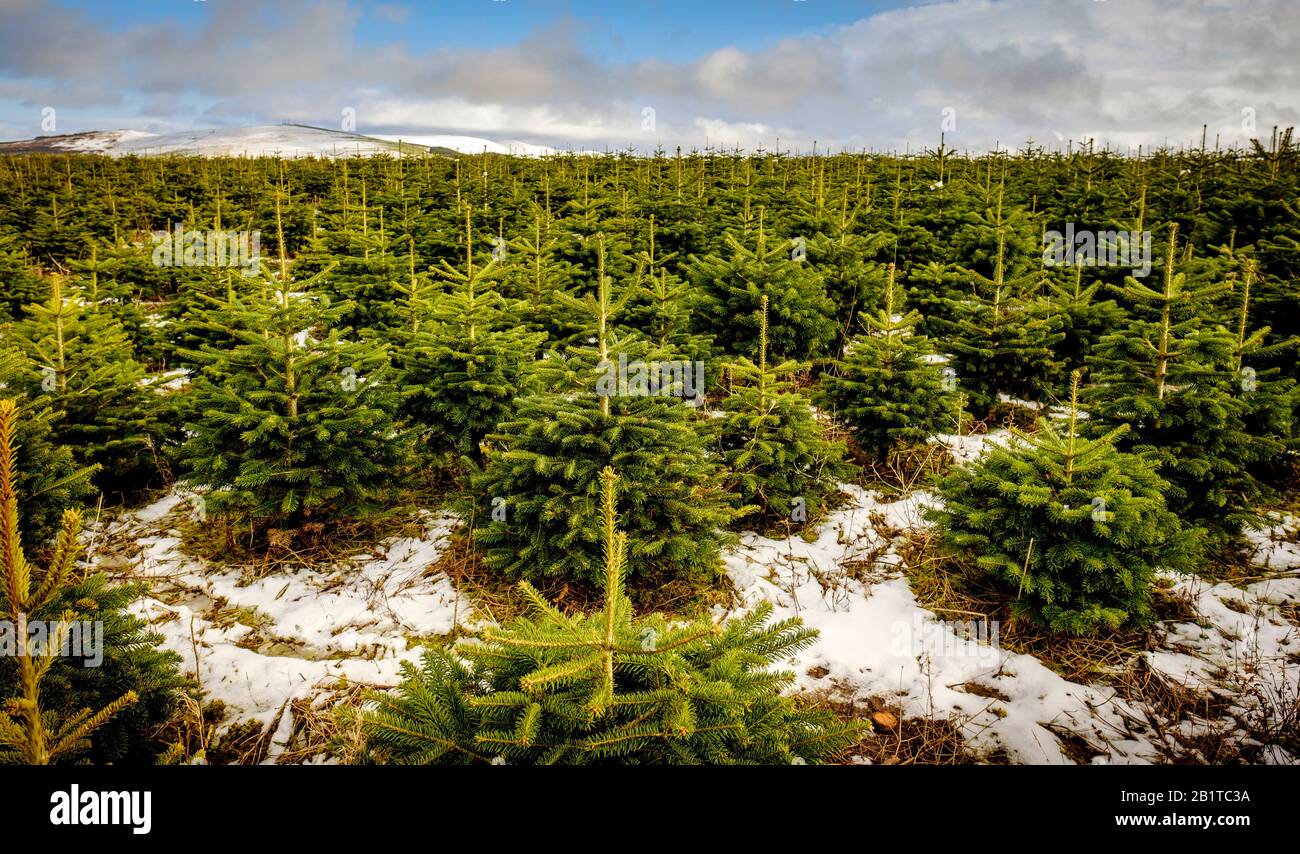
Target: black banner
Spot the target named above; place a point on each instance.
(146, 807)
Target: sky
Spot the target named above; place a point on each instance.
(840, 74)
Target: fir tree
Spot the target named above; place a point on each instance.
(535, 274)
(853, 280)
(802, 317)
(1167, 376)
(30, 733)
(51, 481)
(466, 365)
(1269, 397)
(80, 359)
(608, 688)
(1000, 340)
(1074, 529)
(889, 388)
(364, 266)
(132, 660)
(661, 308)
(542, 476)
(414, 301)
(292, 422)
(19, 283)
(782, 465)
(117, 280)
(1081, 318)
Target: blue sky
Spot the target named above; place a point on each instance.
(849, 74)
(630, 29)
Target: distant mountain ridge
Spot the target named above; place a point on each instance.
(284, 140)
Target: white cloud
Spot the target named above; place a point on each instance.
(1127, 72)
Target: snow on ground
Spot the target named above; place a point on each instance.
(968, 446)
(1277, 547)
(98, 142)
(878, 642)
(1242, 650)
(264, 642)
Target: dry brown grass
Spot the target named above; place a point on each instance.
(259, 553)
(498, 598)
(944, 586)
(329, 724)
(259, 549)
(903, 469)
(898, 740)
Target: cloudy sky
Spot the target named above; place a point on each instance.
(641, 73)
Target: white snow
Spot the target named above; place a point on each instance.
(173, 380)
(968, 446)
(291, 141)
(264, 642)
(101, 141)
(286, 140)
(878, 642)
(471, 144)
(258, 141)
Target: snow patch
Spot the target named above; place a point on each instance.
(264, 642)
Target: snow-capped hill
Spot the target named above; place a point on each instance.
(284, 140)
(472, 144)
(262, 141)
(105, 140)
(95, 141)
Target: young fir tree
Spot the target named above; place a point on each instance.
(802, 317)
(51, 481)
(888, 387)
(1001, 340)
(413, 303)
(364, 267)
(854, 282)
(661, 310)
(193, 314)
(20, 285)
(468, 362)
(132, 660)
(1168, 377)
(608, 688)
(1269, 397)
(292, 421)
(782, 465)
(662, 313)
(1073, 528)
(534, 274)
(1081, 317)
(542, 478)
(30, 732)
(80, 360)
(117, 280)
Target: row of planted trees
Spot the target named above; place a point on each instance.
(273, 363)
(323, 387)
